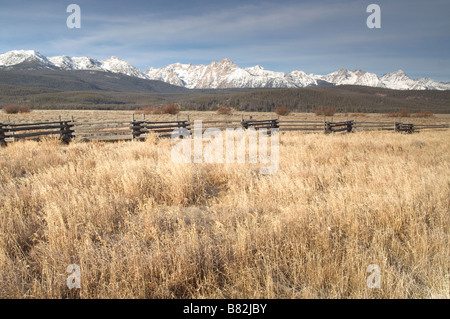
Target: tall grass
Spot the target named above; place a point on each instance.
(140, 226)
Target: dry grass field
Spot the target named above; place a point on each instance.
(141, 226)
(102, 115)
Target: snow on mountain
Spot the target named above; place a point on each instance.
(301, 79)
(76, 63)
(17, 57)
(398, 80)
(117, 65)
(222, 74)
(113, 64)
(356, 77)
(194, 76)
(226, 74)
(431, 84)
(216, 75)
(87, 63)
(63, 62)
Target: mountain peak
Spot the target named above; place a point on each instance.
(116, 65)
(256, 68)
(399, 72)
(396, 74)
(114, 58)
(15, 57)
(225, 61)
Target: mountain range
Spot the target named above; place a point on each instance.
(217, 75)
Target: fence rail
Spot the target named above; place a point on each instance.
(68, 131)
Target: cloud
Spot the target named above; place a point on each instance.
(237, 24)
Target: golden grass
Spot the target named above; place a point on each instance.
(140, 226)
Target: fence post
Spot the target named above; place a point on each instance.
(2, 136)
(327, 128)
(349, 126)
(181, 125)
(274, 123)
(136, 127)
(66, 132)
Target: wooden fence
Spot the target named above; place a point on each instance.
(68, 131)
(335, 127)
(404, 127)
(11, 132)
(267, 125)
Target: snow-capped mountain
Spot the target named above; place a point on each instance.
(76, 63)
(34, 60)
(400, 81)
(431, 84)
(226, 74)
(29, 58)
(115, 65)
(222, 74)
(356, 77)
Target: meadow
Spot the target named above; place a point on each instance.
(140, 226)
(112, 115)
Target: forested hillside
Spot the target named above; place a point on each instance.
(341, 98)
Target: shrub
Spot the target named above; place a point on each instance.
(224, 110)
(327, 112)
(423, 114)
(14, 109)
(401, 113)
(282, 110)
(170, 109)
(404, 113)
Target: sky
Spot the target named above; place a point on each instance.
(313, 36)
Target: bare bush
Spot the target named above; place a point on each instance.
(401, 113)
(327, 112)
(424, 114)
(224, 110)
(14, 109)
(170, 109)
(283, 110)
